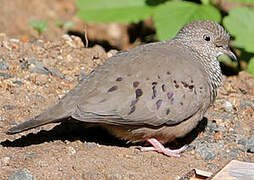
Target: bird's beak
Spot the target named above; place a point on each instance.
(228, 52)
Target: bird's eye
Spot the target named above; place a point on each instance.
(207, 38)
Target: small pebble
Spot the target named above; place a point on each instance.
(250, 145)
(91, 145)
(82, 76)
(206, 151)
(31, 155)
(240, 140)
(37, 67)
(212, 167)
(13, 123)
(92, 175)
(5, 75)
(24, 65)
(114, 177)
(8, 107)
(21, 175)
(228, 106)
(231, 154)
(56, 72)
(20, 83)
(14, 40)
(72, 150)
(4, 65)
(38, 96)
(244, 104)
(5, 161)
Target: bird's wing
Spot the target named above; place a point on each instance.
(156, 87)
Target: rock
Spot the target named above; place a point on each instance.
(8, 107)
(31, 155)
(4, 65)
(206, 151)
(5, 161)
(37, 67)
(244, 104)
(5, 75)
(228, 106)
(38, 96)
(250, 145)
(231, 154)
(20, 83)
(212, 167)
(21, 175)
(92, 175)
(82, 76)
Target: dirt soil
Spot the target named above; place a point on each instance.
(36, 72)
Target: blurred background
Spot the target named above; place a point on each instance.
(123, 24)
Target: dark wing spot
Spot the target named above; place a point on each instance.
(139, 93)
(119, 79)
(191, 87)
(154, 92)
(168, 111)
(135, 84)
(181, 103)
(133, 108)
(168, 73)
(176, 85)
(154, 83)
(158, 103)
(133, 102)
(113, 89)
(170, 95)
(163, 87)
(201, 88)
(172, 101)
(184, 84)
(158, 76)
(191, 81)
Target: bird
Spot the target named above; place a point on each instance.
(153, 93)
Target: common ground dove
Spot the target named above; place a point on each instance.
(154, 92)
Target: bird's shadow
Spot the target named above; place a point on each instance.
(77, 131)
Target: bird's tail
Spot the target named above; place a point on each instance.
(54, 114)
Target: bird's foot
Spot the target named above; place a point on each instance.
(157, 146)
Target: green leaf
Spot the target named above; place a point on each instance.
(240, 24)
(243, 1)
(125, 11)
(39, 26)
(171, 16)
(250, 67)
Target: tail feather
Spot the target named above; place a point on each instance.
(54, 114)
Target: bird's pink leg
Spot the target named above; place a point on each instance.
(157, 146)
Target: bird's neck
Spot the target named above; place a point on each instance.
(214, 76)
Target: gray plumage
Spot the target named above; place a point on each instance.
(159, 90)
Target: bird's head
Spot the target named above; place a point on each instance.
(206, 37)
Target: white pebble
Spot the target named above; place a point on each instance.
(228, 106)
